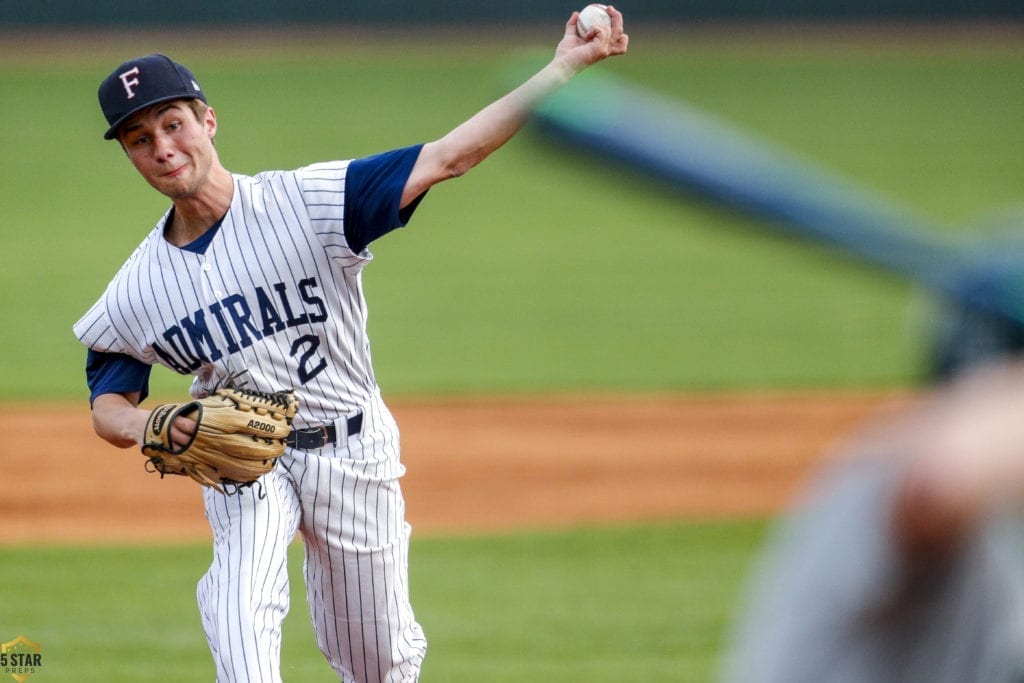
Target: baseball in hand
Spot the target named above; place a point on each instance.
(591, 16)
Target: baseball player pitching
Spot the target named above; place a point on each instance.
(256, 282)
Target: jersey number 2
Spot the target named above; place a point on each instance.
(311, 363)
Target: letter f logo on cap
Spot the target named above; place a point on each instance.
(128, 82)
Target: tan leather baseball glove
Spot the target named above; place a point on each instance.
(240, 435)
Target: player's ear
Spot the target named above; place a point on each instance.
(210, 122)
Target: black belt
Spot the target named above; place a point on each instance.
(318, 437)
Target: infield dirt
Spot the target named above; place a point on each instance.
(474, 466)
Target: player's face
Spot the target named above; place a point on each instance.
(172, 150)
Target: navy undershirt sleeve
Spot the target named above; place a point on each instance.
(373, 192)
(116, 373)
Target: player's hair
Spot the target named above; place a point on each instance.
(198, 107)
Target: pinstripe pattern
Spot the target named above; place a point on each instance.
(357, 545)
(243, 598)
(347, 505)
(277, 293)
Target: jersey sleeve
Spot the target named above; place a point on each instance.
(116, 373)
(352, 203)
(96, 330)
(109, 369)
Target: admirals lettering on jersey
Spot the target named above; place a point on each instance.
(258, 298)
(190, 343)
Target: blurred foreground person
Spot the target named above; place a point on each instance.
(903, 561)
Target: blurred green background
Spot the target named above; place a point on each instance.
(540, 270)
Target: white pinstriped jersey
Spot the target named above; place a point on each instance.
(277, 293)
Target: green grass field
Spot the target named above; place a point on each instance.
(536, 272)
(647, 603)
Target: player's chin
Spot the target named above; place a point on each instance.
(173, 187)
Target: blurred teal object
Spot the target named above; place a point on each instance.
(982, 285)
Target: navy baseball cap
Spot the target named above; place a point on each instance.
(141, 83)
